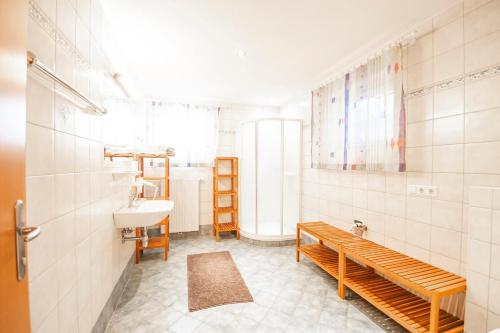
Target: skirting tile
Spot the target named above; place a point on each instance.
(109, 307)
(203, 230)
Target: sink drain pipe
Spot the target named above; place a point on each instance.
(126, 238)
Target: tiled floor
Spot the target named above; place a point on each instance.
(288, 296)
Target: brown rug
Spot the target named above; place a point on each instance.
(214, 279)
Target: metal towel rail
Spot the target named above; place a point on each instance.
(33, 62)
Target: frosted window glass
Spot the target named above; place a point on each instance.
(269, 177)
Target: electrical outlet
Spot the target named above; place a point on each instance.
(431, 191)
(422, 190)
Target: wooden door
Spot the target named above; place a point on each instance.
(14, 305)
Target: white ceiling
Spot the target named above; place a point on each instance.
(188, 49)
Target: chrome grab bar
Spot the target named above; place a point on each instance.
(33, 62)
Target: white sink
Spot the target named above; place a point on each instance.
(143, 213)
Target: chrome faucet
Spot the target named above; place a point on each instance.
(137, 187)
(131, 200)
(132, 196)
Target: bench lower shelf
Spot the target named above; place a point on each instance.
(328, 260)
(410, 311)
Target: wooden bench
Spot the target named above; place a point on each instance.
(396, 284)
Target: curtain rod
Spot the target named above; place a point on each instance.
(35, 63)
(346, 67)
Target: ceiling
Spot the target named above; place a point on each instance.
(188, 50)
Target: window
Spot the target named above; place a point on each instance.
(358, 120)
(190, 129)
(151, 126)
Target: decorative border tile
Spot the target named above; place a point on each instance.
(37, 14)
(472, 76)
(483, 73)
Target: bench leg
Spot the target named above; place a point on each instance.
(434, 320)
(138, 250)
(297, 245)
(165, 255)
(137, 256)
(166, 240)
(342, 273)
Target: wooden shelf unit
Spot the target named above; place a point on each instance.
(369, 270)
(154, 242)
(230, 194)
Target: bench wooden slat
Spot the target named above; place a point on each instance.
(395, 271)
(357, 263)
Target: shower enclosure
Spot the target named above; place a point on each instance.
(270, 155)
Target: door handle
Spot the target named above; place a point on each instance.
(24, 235)
(29, 233)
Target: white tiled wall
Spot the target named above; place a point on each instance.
(483, 266)
(453, 142)
(76, 261)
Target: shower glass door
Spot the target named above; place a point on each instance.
(291, 175)
(269, 177)
(247, 179)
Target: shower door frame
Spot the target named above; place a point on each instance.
(256, 234)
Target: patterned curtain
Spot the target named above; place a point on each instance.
(358, 120)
